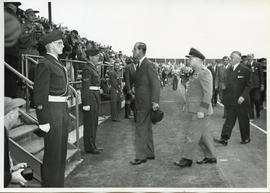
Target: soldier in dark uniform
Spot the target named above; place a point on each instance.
(91, 101)
(50, 100)
(115, 91)
(130, 75)
(257, 85)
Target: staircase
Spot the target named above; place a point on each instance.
(26, 144)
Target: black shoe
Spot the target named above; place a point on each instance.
(152, 158)
(116, 120)
(184, 163)
(137, 161)
(95, 151)
(207, 161)
(245, 141)
(221, 141)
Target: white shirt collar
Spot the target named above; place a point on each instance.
(140, 62)
(235, 66)
(53, 55)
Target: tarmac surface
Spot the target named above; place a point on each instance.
(239, 166)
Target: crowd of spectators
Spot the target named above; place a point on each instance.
(32, 28)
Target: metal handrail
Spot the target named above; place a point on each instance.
(29, 83)
(77, 114)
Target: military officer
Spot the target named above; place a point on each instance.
(50, 99)
(115, 91)
(198, 108)
(91, 101)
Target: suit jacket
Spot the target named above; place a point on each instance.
(257, 78)
(50, 79)
(199, 92)
(130, 76)
(237, 84)
(147, 86)
(90, 77)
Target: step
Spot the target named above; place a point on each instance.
(35, 146)
(70, 154)
(22, 131)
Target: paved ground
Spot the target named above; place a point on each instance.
(239, 166)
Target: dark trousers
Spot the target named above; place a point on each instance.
(144, 144)
(90, 125)
(55, 146)
(214, 97)
(115, 105)
(255, 100)
(234, 112)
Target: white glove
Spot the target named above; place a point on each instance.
(241, 100)
(45, 127)
(18, 166)
(200, 115)
(17, 178)
(86, 108)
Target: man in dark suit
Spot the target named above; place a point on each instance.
(50, 99)
(147, 92)
(213, 70)
(91, 101)
(129, 76)
(257, 85)
(236, 99)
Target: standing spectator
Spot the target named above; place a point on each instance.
(236, 100)
(129, 77)
(115, 82)
(213, 70)
(263, 92)
(257, 85)
(147, 93)
(50, 98)
(91, 101)
(198, 109)
(221, 80)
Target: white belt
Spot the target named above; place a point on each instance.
(94, 87)
(58, 98)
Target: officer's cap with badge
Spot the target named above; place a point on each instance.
(195, 53)
(51, 37)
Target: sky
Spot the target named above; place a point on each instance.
(169, 28)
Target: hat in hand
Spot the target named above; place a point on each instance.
(156, 116)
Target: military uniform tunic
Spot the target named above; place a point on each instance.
(91, 97)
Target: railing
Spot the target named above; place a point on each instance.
(30, 84)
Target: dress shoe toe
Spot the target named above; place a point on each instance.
(245, 141)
